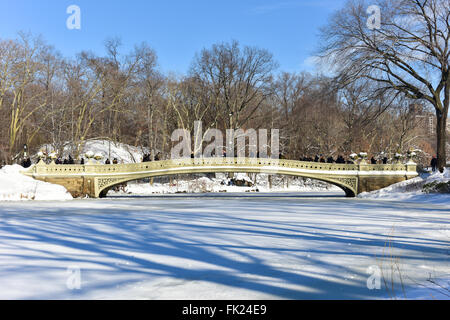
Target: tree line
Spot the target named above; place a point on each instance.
(372, 101)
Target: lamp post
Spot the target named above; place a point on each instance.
(232, 132)
(231, 119)
(231, 144)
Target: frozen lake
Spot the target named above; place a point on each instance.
(221, 246)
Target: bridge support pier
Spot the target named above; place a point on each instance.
(368, 181)
(78, 187)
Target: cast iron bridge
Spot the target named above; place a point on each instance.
(95, 180)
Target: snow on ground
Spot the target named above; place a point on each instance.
(221, 184)
(411, 190)
(221, 246)
(15, 186)
(123, 152)
(232, 245)
(431, 289)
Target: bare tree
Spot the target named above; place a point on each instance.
(237, 80)
(21, 86)
(408, 53)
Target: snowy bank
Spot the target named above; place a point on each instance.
(419, 189)
(15, 186)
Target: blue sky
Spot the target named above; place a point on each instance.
(176, 29)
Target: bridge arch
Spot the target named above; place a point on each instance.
(348, 184)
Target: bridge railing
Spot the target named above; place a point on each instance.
(96, 168)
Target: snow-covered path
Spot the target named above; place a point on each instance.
(222, 246)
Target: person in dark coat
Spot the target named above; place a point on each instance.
(373, 161)
(71, 161)
(115, 161)
(146, 158)
(434, 163)
(26, 163)
(82, 161)
(107, 161)
(316, 159)
(330, 159)
(385, 160)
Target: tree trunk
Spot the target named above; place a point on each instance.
(441, 135)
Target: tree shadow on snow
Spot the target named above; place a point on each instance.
(141, 241)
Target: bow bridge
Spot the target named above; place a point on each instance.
(95, 180)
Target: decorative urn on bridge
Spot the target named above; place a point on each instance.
(411, 155)
(398, 157)
(362, 157)
(89, 155)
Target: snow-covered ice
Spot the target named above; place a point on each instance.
(221, 246)
(240, 244)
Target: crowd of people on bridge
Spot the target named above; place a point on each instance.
(380, 159)
(341, 160)
(26, 163)
(148, 158)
